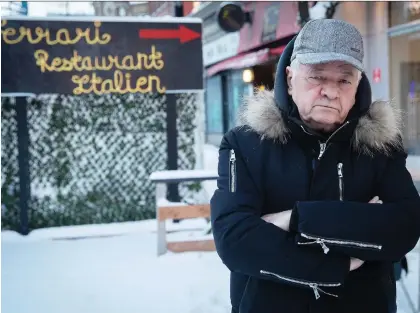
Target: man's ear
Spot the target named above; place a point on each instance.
(289, 74)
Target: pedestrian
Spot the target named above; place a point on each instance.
(314, 203)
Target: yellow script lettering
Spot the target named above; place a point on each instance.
(62, 36)
(121, 83)
(104, 63)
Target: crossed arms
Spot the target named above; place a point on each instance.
(312, 253)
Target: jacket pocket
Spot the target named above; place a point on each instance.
(269, 296)
(323, 242)
(315, 286)
(232, 171)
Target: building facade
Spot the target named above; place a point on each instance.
(235, 63)
(404, 66)
(164, 8)
(120, 8)
(392, 43)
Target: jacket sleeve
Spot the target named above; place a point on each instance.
(371, 232)
(249, 245)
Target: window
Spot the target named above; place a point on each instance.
(214, 105)
(237, 89)
(405, 85)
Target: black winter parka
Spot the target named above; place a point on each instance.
(271, 163)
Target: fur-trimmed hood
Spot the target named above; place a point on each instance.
(378, 130)
(378, 127)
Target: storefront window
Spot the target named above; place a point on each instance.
(405, 85)
(214, 104)
(236, 89)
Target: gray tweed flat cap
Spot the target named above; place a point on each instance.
(327, 40)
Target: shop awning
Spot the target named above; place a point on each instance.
(245, 60)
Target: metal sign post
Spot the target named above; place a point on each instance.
(172, 131)
(23, 157)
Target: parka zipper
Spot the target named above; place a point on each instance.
(338, 242)
(323, 146)
(340, 180)
(314, 286)
(232, 171)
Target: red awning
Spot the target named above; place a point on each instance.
(277, 51)
(245, 60)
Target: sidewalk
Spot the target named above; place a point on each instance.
(411, 282)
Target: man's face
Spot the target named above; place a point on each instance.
(323, 93)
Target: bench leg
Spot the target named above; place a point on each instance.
(160, 192)
(161, 229)
(161, 238)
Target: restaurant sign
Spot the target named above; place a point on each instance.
(106, 55)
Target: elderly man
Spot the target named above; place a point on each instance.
(314, 202)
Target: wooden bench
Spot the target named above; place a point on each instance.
(166, 210)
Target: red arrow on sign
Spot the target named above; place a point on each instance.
(184, 34)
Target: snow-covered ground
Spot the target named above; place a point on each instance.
(114, 268)
(411, 283)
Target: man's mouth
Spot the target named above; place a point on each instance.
(327, 107)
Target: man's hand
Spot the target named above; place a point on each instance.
(281, 219)
(355, 264)
(376, 200)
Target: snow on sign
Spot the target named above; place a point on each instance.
(101, 56)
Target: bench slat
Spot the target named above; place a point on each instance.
(183, 212)
(172, 176)
(187, 246)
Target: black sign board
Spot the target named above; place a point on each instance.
(101, 56)
(231, 17)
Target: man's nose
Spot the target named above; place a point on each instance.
(330, 90)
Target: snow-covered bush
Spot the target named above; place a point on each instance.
(90, 157)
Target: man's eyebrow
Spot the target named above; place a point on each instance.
(348, 72)
(315, 69)
(344, 69)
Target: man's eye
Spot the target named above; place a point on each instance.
(316, 80)
(344, 81)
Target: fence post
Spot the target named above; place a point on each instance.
(172, 137)
(23, 160)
